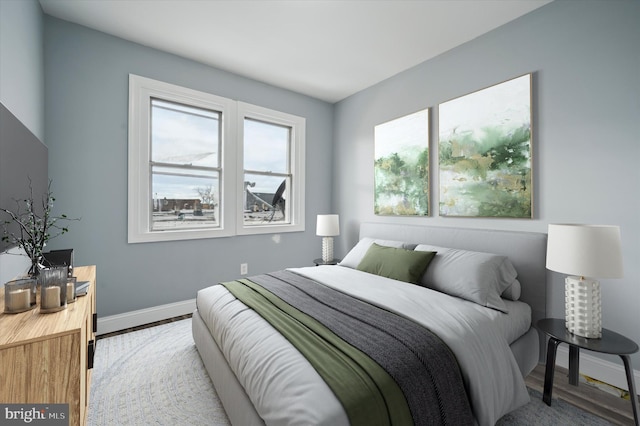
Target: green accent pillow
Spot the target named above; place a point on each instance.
(399, 264)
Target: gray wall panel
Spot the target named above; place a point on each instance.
(22, 157)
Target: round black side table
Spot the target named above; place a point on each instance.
(609, 343)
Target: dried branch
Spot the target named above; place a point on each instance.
(34, 229)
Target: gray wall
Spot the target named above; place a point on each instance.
(86, 127)
(21, 67)
(23, 154)
(586, 65)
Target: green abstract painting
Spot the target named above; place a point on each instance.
(401, 168)
(485, 152)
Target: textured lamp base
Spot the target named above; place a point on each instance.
(327, 249)
(583, 312)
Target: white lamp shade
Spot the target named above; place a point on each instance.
(585, 250)
(328, 225)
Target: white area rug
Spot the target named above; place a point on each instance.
(152, 377)
(155, 377)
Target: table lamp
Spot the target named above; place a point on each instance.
(584, 253)
(327, 227)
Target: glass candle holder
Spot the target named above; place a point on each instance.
(71, 289)
(53, 289)
(18, 295)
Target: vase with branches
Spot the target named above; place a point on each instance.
(35, 226)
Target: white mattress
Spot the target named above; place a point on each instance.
(282, 385)
(516, 322)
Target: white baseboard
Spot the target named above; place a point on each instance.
(144, 316)
(599, 369)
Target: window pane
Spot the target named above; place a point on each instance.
(266, 146)
(265, 199)
(184, 135)
(184, 201)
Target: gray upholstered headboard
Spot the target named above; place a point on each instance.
(526, 250)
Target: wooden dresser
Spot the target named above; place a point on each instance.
(47, 358)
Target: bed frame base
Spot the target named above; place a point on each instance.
(234, 399)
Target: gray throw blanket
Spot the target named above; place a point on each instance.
(421, 364)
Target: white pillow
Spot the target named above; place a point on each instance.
(475, 276)
(355, 255)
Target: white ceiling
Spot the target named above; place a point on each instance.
(328, 49)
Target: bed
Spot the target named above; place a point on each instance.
(261, 378)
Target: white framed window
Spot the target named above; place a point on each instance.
(270, 167)
(204, 166)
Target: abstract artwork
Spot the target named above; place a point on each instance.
(401, 167)
(485, 152)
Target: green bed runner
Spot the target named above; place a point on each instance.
(366, 391)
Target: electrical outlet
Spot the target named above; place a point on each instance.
(244, 268)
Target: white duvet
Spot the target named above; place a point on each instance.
(286, 390)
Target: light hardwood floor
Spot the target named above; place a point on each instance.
(589, 398)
